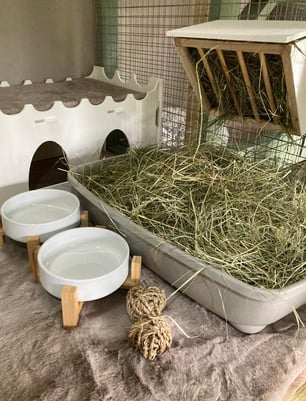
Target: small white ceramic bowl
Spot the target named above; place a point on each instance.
(95, 260)
(42, 212)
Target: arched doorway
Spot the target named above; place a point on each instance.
(48, 166)
(116, 143)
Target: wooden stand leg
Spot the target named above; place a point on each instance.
(32, 242)
(134, 278)
(84, 219)
(71, 307)
(35, 264)
(1, 233)
(136, 269)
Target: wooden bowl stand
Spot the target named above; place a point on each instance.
(71, 306)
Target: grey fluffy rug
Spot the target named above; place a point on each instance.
(42, 361)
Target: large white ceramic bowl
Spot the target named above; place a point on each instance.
(95, 260)
(42, 212)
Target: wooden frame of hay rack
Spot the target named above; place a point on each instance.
(248, 70)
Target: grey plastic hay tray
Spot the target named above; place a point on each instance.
(247, 308)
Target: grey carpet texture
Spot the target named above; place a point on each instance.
(40, 361)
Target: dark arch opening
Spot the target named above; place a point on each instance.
(116, 143)
(48, 166)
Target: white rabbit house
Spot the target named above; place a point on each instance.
(56, 103)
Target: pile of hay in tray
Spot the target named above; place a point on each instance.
(246, 218)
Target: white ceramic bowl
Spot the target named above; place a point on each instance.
(42, 212)
(95, 260)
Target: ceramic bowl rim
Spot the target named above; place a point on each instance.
(79, 229)
(23, 194)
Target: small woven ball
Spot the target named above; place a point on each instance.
(144, 302)
(151, 337)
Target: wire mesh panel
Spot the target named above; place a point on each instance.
(290, 10)
(143, 48)
(131, 37)
(280, 148)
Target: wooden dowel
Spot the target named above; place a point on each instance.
(210, 75)
(266, 78)
(248, 84)
(229, 80)
(291, 96)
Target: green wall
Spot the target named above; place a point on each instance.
(107, 35)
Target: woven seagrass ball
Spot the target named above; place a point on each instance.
(145, 302)
(151, 336)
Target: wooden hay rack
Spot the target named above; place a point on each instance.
(248, 70)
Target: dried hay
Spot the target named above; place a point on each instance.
(246, 218)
